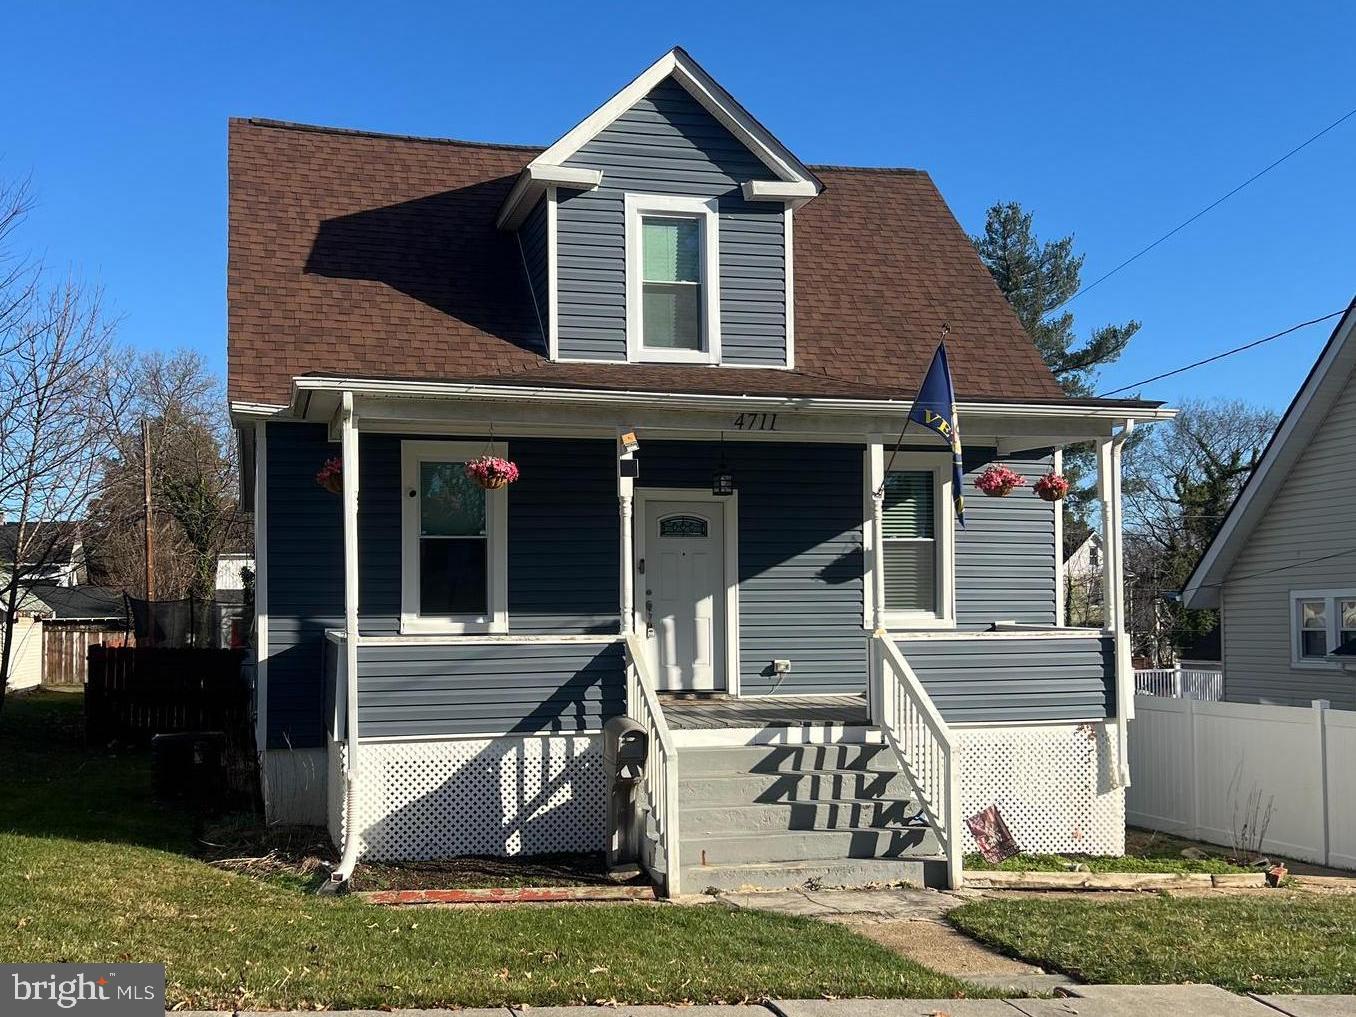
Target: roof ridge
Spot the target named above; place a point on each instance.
(353, 132)
(835, 168)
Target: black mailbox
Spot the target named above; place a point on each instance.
(626, 746)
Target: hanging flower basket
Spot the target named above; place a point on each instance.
(1052, 487)
(999, 481)
(331, 475)
(491, 472)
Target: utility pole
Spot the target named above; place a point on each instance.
(146, 509)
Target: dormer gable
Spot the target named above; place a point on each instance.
(660, 228)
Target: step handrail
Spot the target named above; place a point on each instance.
(924, 746)
(660, 779)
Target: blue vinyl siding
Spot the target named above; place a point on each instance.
(668, 144)
(1016, 680)
(532, 236)
(305, 582)
(563, 555)
(800, 556)
(524, 688)
(800, 560)
(1006, 559)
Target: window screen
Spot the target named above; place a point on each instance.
(453, 545)
(671, 266)
(910, 545)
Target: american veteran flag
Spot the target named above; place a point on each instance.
(935, 409)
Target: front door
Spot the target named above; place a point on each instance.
(682, 589)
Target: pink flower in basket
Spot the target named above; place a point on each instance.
(999, 481)
(1052, 487)
(491, 472)
(331, 475)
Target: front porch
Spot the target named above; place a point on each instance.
(689, 712)
(838, 698)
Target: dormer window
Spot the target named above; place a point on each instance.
(671, 282)
(672, 279)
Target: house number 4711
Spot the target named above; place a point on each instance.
(755, 422)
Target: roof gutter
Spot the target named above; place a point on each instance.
(302, 386)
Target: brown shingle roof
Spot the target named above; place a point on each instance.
(377, 256)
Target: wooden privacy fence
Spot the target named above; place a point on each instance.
(1205, 770)
(135, 692)
(66, 648)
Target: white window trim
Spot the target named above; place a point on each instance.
(1331, 596)
(707, 210)
(412, 453)
(944, 531)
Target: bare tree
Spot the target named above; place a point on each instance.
(1179, 483)
(57, 391)
(194, 480)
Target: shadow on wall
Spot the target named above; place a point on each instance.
(444, 251)
(507, 797)
(536, 790)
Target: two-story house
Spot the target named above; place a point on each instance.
(698, 352)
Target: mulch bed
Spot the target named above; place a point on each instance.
(583, 869)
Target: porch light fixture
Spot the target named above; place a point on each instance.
(722, 481)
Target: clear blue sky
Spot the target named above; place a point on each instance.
(1114, 122)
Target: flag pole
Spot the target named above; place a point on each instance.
(908, 418)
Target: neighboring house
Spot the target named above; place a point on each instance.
(25, 666)
(64, 562)
(231, 607)
(1282, 568)
(1083, 582)
(74, 619)
(436, 662)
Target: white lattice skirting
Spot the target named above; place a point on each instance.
(1053, 785)
(419, 800)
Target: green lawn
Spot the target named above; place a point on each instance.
(1277, 942)
(92, 872)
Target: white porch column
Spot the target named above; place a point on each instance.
(349, 446)
(625, 490)
(1113, 585)
(875, 549)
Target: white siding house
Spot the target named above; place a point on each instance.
(1282, 569)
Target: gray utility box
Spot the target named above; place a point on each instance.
(626, 747)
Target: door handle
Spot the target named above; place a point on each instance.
(649, 617)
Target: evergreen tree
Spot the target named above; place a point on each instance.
(1037, 278)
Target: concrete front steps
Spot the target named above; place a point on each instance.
(778, 816)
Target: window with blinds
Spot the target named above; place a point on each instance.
(909, 548)
(671, 287)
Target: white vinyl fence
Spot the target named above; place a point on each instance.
(1181, 683)
(1203, 769)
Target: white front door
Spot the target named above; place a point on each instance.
(682, 593)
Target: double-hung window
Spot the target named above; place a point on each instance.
(915, 553)
(453, 541)
(672, 279)
(1321, 621)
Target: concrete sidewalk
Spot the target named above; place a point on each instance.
(1082, 1001)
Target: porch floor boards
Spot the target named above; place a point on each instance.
(686, 712)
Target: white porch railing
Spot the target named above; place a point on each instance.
(1181, 683)
(924, 746)
(660, 783)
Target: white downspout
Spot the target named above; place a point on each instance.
(349, 434)
(1113, 588)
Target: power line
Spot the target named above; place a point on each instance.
(1218, 201)
(1226, 353)
(1281, 568)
